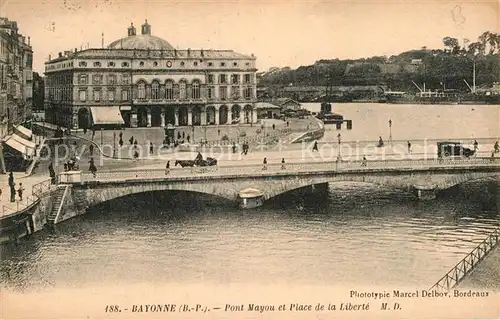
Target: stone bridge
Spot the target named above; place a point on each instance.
(423, 177)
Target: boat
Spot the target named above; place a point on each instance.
(250, 198)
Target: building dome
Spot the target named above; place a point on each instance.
(143, 41)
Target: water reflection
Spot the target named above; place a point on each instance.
(354, 234)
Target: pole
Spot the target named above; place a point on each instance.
(102, 134)
(474, 76)
(114, 144)
(339, 157)
(390, 131)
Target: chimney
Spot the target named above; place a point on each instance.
(60, 54)
(189, 52)
(29, 41)
(131, 30)
(175, 52)
(76, 50)
(50, 57)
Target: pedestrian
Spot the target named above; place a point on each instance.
(218, 132)
(92, 167)
(475, 145)
(151, 148)
(120, 135)
(380, 142)
(315, 146)
(264, 164)
(85, 130)
(131, 140)
(12, 185)
(136, 155)
(409, 147)
(183, 135)
(20, 191)
(120, 142)
(363, 163)
(188, 138)
(52, 174)
(274, 126)
(282, 163)
(287, 124)
(234, 147)
(91, 149)
(167, 168)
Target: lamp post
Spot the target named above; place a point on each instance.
(390, 131)
(114, 144)
(339, 157)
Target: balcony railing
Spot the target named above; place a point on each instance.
(171, 101)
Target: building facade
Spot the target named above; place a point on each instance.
(16, 76)
(143, 81)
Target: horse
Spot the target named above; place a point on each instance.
(185, 163)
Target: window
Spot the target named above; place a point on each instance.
(196, 90)
(124, 79)
(141, 91)
(112, 79)
(210, 64)
(155, 90)
(124, 95)
(222, 64)
(182, 90)
(141, 64)
(155, 64)
(97, 64)
(235, 92)
(111, 95)
(248, 93)
(210, 78)
(235, 64)
(222, 78)
(82, 64)
(247, 64)
(210, 92)
(97, 95)
(97, 79)
(195, 63)
(235, 78)
(169, 90)
(223, 93)
(248, 78)
(83, 79)
(111, 64)
(124, 64)
(182, 64)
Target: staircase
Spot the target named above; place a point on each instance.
(57, 203)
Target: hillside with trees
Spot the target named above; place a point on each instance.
(437, 68)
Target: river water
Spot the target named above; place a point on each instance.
(356, 234)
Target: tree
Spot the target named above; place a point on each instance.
(452, 44)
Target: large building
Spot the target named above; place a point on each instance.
(142, 81)
(16, 76)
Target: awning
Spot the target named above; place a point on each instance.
(24, 132)
(106, 115)
(27, 152)
(21, 140)
(125, 108)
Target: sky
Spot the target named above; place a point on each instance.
(279, 32)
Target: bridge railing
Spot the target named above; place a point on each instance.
(467, 264)
(19, 205)
(277, 168)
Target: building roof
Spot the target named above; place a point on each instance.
(266, 105)
(282, 101)
(141, 42)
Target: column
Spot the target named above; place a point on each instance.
(149, 118)
(203, 116)
(190, 116)
(217, 115)
(163, 118)
(176, 114)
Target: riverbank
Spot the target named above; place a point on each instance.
(486, 275)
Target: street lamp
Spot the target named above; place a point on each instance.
(390, 131)
(339, 157)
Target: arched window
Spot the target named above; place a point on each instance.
(169, 90)
(155, 90)
(182, 90)
(196, 90)
(141, 91)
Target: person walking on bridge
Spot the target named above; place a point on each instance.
(282, 163)
(167, 168)
(363, 162)
(476, 145)
(496, 148)
(409, 147)
(20, 191)
(92, 167)
(264, 164)
(315, 146)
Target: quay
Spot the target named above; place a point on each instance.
(486, 274)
